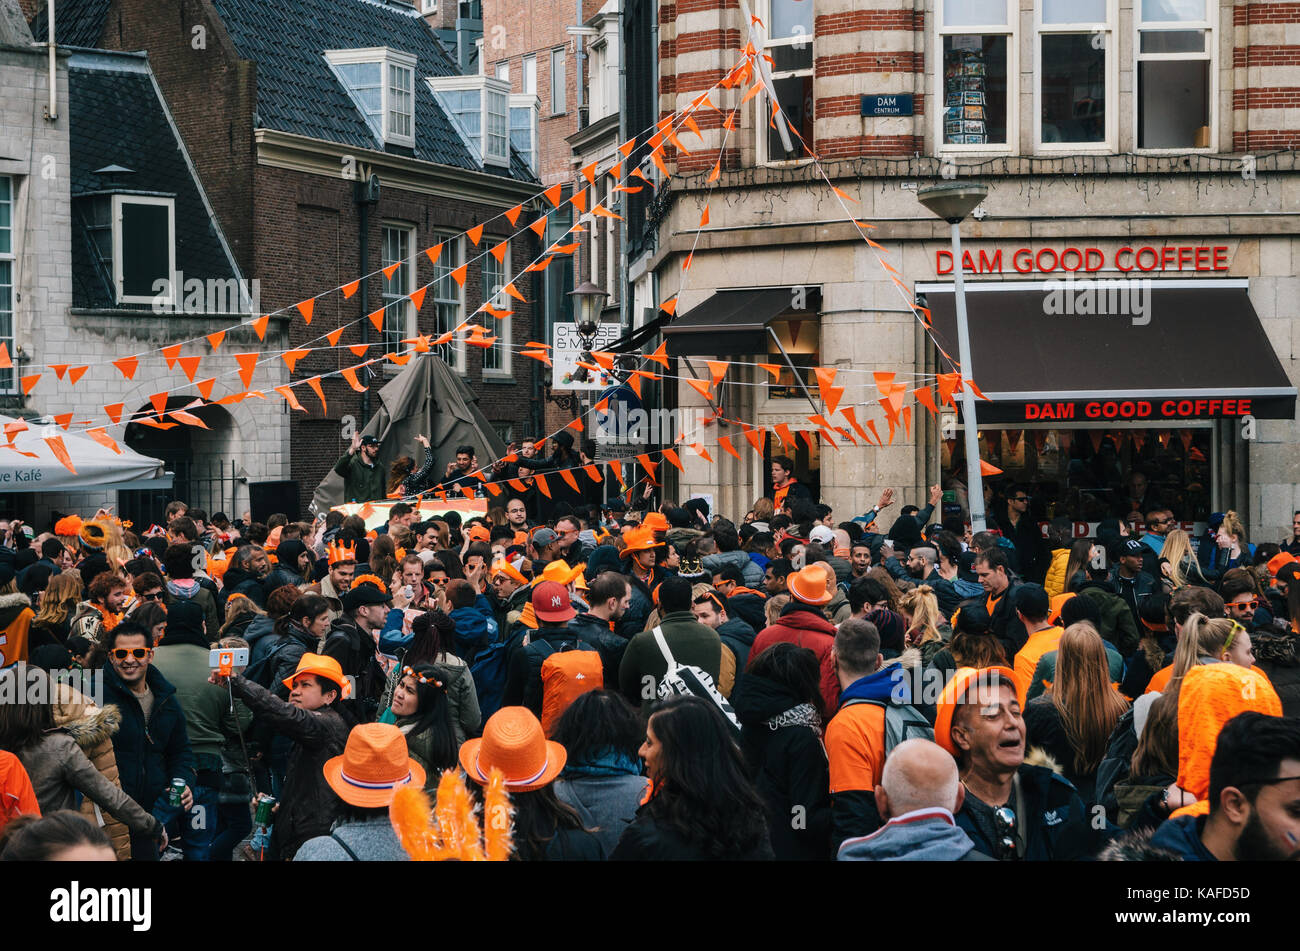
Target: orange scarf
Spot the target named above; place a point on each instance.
(109, 621)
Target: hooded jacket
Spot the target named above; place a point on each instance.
(747, 604)
(15, 625)
(361, 482)
(476, 626)
(189, 590)
(1278, 655)
(1117, 624)
(803, 625)
(606, 791)
(93, 730)
(1182, 837)
(750, 571)
(257, 632)
(1054, 581)
(611, 645)
(739, 636)
(782, 744)
(923, 835)
(239, 581)
(1057, 825)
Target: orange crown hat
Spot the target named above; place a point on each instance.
(68, 526)
(955, 693)
(339, 551)
(370, 579)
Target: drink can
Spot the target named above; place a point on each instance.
(265, 804)
(176, 791)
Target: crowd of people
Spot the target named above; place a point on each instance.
(660, 682)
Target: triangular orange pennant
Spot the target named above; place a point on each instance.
(669, 306)
(600, 211)
(128, 366)
(514, 292)
(475, 234)
(159, 401)
(851, 414)
(871, 425)
(291, 357)
(701, 452)
(61, 368)
(783, 431)
(76, 373)
(700, 386)
(593, 474)
(308, 307)
(538, 227)
(205, 387)
(843, 194)
(350, 374)
(63, 419)
(674, 459)
(976, 390)
(540, 481)
(467, 491)
(434, 252)
(589, 173)
(114, 411)
(189, 419)
(657, 156)
(499, 252)
(217, 339)
(926, 399)
(6, 362)
(401, 359)
(755, 436)
(169, 354)
(334, 336)
(704, 218)
(825, 376)
(773, 369)
(101, 436)
(635, 384)
(417, 296)
(377, 318)
(513, 214)
(907, 421)
(717, 369)
(988, 469)
(576, 426)
(60, 452)
(358, 349)
(627, 147)
(494, 489)
(579, 200)
(831, 396)
(260, 324)
(189, 366)
(552, 195)
(948, 382)
(725, 443)
(314, 383)
(29, 382)
(646, 464)
(290, 398)
(567, 476)
(247, 364)
(350, 288)
(458, 275)
(660, 356)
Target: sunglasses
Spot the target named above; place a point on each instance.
(122, 653)
(1251, 605)
(156, 596)
(1004, 818)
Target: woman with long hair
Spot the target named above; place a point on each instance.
(1179, 563)
(924, 622)
(497, 516)
(782, 714)
(1076, 566)
(240, 613)
(153, 618)
(1073, 722)
(58, 604)
(1233, 548)
(432, 642)
(973, 643)
(892, 591)
(701, 805)
(423, 715)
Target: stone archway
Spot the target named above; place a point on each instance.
(203, 461)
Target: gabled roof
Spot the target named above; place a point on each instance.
(117, 117)
(297, 92)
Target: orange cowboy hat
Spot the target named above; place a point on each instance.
(514, 743)
(955, 693)
(809, 585)
(655, 521)
(1277, 561)
(374, 765)
(321, 666)
(639, 539)
(559, 572)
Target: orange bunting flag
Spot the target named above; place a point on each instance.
(287, 393)
(753, 91)
(459, 274)
(988, 469)
(499, 252)
(674, 459)
(843, 194)
(628, 189)
(29, 382)
(567, 476)
(871, 425)
(787, 438)
(377, 318)
(60, 452)
(61, 368)
(169, 354)
(514, 292)
(552, 195)
(350, 374)
(517, 485)
(6, 362)
(729, 123)
(773, 369)
(538, 355)
(907, 421)
(701, 452)
(576, 426)
(104, 439)
(700, 387)
(976, 390)
(334, 336)
(189, 419)
(725, 443)
(831, 397)
(114, 411)
(205, 387)
(538, 227)
(308, 307)
(825, 376)
(755, 436)
(417, 296)
(605, 360)
(260, 325)
(809, 439)
(704, 218)
(717, 171)
(359, 349)
(247, 364)
(217, 339)
(433, 253)
(128, 366)
(883, 383)
(292, 357)
(189, 366)
(635, 384)
(851, 415)
(540, 481)
(660, 356)
(402, 359)
(948, 382)
(669, 306)
(717, 369)
(593, 474)
(159, 401)
(475, 234)
(63, 419)
(76, 373)
(646, 464)
(350, 288)
(314, 383)
(494, 489)
(642, 175)
(600, 211)
(513, 214)
(657, 156)
(579, 200)
(627, 147)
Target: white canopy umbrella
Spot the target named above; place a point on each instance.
(29, 463)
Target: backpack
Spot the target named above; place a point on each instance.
(687, 680)
(902, 722)
(568, 673)
(489, 668)
(263, 672)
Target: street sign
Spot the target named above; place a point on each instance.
(566, 346)
(893, 104)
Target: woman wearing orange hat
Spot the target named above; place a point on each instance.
(545, 829)
(319, 731)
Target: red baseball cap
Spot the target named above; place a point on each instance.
(551, 602)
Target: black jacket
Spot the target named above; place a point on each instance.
(308, 806)
(354, 649)
(524, 677)
(149, 755)
(1031, 550)
(239, 581)
(595, 631)
(1137, 670)
(1278, 655)
(748, 606)
(1006, 624)
(738, 635)
(1045, 730)
(789, 768)
(1056, 822)
(645, 840)
(1133, 591)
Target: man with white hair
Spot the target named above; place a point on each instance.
(918, 793)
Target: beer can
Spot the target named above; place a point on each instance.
(265, 804)
(176, 791)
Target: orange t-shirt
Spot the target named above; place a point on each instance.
(13, 639)
(1027, 658)
(855, 745)
(1160, 679)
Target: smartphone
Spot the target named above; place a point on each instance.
(408, 592)
(227, 657)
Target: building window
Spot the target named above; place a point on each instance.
(429, 6)
(524, 108)
(7, 264)
(530, 76)
(789, 43)
(496, 358)
(503, 71)
(1075, 85)
(557, 82)
(558, 275)
(1175, 86)
(976, 53)
(480, 107)
(506, 431)
(398, 310)
(144, 247)
(448, 302)
(381, 82)
(801, 337)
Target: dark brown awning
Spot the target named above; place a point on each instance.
(1173, 349)
(729, 322)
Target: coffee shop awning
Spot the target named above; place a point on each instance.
(729, 322)
(1162, 350)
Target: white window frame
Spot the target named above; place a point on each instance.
(560, 88)
(10, 258)
(530, 102)
(762, 104)
(428, 6)
(118, 202)
(1107, 30)
(528, 78)
(488, 88)
(1011, 30)
(501, 329)
(502, 70)
(448, 261)
(397, 299)
(388, 59)
(1211, 25)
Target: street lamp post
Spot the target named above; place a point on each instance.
(953, 201)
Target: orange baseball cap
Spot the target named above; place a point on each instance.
(477, 533)
(374, 765)
(955, 693)
(514, 743)
(809, 585)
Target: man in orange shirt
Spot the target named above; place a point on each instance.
(1032, 608)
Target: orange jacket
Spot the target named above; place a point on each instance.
(17, 798)
(1160, 679)
(1027, 658)
(15, 622)
(855, 745)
